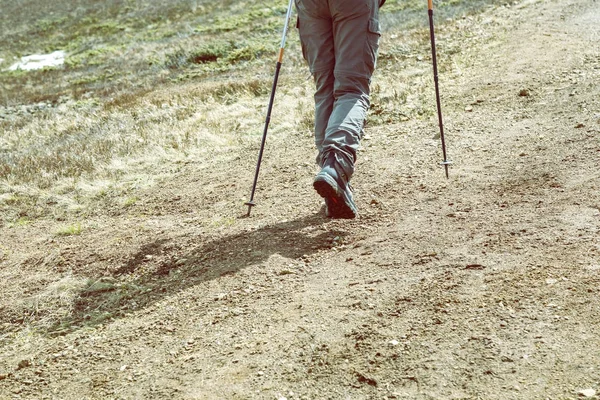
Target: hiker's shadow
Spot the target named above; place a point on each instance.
(165, 267)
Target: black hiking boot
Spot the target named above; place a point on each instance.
(332, 184)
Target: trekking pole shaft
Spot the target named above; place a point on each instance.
(250, 203)
(445, 163)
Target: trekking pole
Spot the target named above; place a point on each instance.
(288, 15)
(445, 163)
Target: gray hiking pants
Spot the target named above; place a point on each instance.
(340, 39)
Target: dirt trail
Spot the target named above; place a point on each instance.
(485, 286)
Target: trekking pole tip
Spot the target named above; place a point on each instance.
(446, 164)
(250, 204)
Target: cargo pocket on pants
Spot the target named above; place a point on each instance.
(372, 45)
(302, 45)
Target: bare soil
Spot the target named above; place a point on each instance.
(483, 286)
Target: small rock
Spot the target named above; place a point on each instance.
(3, 377)
(469, 108)
(478, 267)
(587, 393)
(551, 281)
(394, 343)
(579, 125)
(23, 364)
(524, 93)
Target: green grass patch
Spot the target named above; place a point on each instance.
(69, 230)
(220, 55)
(49, 24)
(130, 201)
(94, 56)
(22, 221)
(256, 18)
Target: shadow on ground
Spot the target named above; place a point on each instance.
(165, 267)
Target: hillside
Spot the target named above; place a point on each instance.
(128, 269)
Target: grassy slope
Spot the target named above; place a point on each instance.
(153, 83)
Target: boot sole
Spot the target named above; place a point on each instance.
(339, 205)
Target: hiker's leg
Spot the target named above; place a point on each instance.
(356, 36)
(316, 37)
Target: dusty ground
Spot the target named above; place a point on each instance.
(483, 286)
